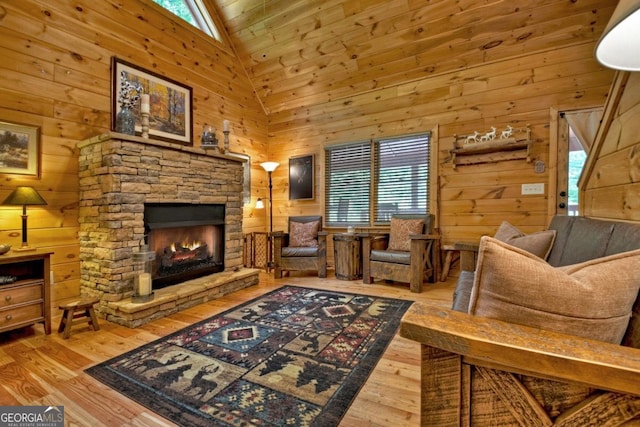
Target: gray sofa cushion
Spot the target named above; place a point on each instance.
(462, 293)
(625, 237)
(585, 239)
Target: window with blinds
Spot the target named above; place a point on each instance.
(367, 182)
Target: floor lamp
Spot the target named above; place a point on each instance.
(270, 167)
(24, 196)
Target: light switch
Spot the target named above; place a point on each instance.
(533, 188)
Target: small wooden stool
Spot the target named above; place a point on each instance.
(82, 309)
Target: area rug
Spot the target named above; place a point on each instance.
(293, 357)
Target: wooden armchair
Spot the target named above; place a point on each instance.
(478, 371)
(409, 253)
(302, 248)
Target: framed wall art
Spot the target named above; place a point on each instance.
(19, 149)
(170, 102)
(301, 177)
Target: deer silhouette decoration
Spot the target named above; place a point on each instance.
(203, 385)
(148, 364)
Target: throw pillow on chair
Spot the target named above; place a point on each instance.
(303, 234)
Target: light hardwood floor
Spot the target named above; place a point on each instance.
(36, 369)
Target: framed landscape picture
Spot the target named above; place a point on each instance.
(19, 149)
(170, 102)
(301, 178)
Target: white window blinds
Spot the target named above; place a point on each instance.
(401, 170)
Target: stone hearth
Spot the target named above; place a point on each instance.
(118, 175)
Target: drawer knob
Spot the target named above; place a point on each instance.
(7, 298)
(9, 317)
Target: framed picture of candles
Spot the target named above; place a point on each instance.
(169, 102)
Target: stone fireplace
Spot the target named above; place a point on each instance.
(183, 203)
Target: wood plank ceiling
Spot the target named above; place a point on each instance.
(306, 52)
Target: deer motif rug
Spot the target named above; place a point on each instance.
(292, 357)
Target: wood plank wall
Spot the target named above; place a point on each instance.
(346, 71)
(610, 187)
(56, 75)
(326, 73)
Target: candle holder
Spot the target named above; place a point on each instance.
(209, 140)
(145, 125)
(226, 141)
(142, 275)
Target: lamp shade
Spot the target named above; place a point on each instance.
(24, 196)
(619, 46)
(259, 204)
(270, 166)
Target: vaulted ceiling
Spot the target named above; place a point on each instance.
(307, 52)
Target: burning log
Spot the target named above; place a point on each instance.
(179, 254)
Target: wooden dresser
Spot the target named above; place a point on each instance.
(25, 301)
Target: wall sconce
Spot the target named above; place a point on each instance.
(259, 204)
(24, 196)
(620, 43)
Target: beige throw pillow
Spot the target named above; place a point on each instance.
(592, 299)
(539, 243)
(303, 234)
(400, 231)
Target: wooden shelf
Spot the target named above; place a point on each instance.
(490, 152)
(516, 147)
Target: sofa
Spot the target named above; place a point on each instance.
(497, 358)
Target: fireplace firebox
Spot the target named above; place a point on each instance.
(188, 240)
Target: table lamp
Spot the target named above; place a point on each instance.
(24, 196)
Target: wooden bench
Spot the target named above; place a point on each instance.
(78, 312)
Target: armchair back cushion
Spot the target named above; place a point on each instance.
(303, 234)
(400, 230)
(593, 299)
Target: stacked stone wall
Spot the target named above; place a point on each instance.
(118, 175)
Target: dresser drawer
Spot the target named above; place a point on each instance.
(25, 314)
(20, 294)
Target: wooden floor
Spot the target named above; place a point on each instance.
(36, 369)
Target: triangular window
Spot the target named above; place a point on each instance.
(194, 12)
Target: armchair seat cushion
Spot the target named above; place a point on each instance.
(396, 257)
(299, 251)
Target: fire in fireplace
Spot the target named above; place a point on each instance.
(188, 240)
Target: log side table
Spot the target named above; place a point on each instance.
(346, 250)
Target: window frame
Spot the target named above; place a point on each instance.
(200, 13)
(372, 199)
